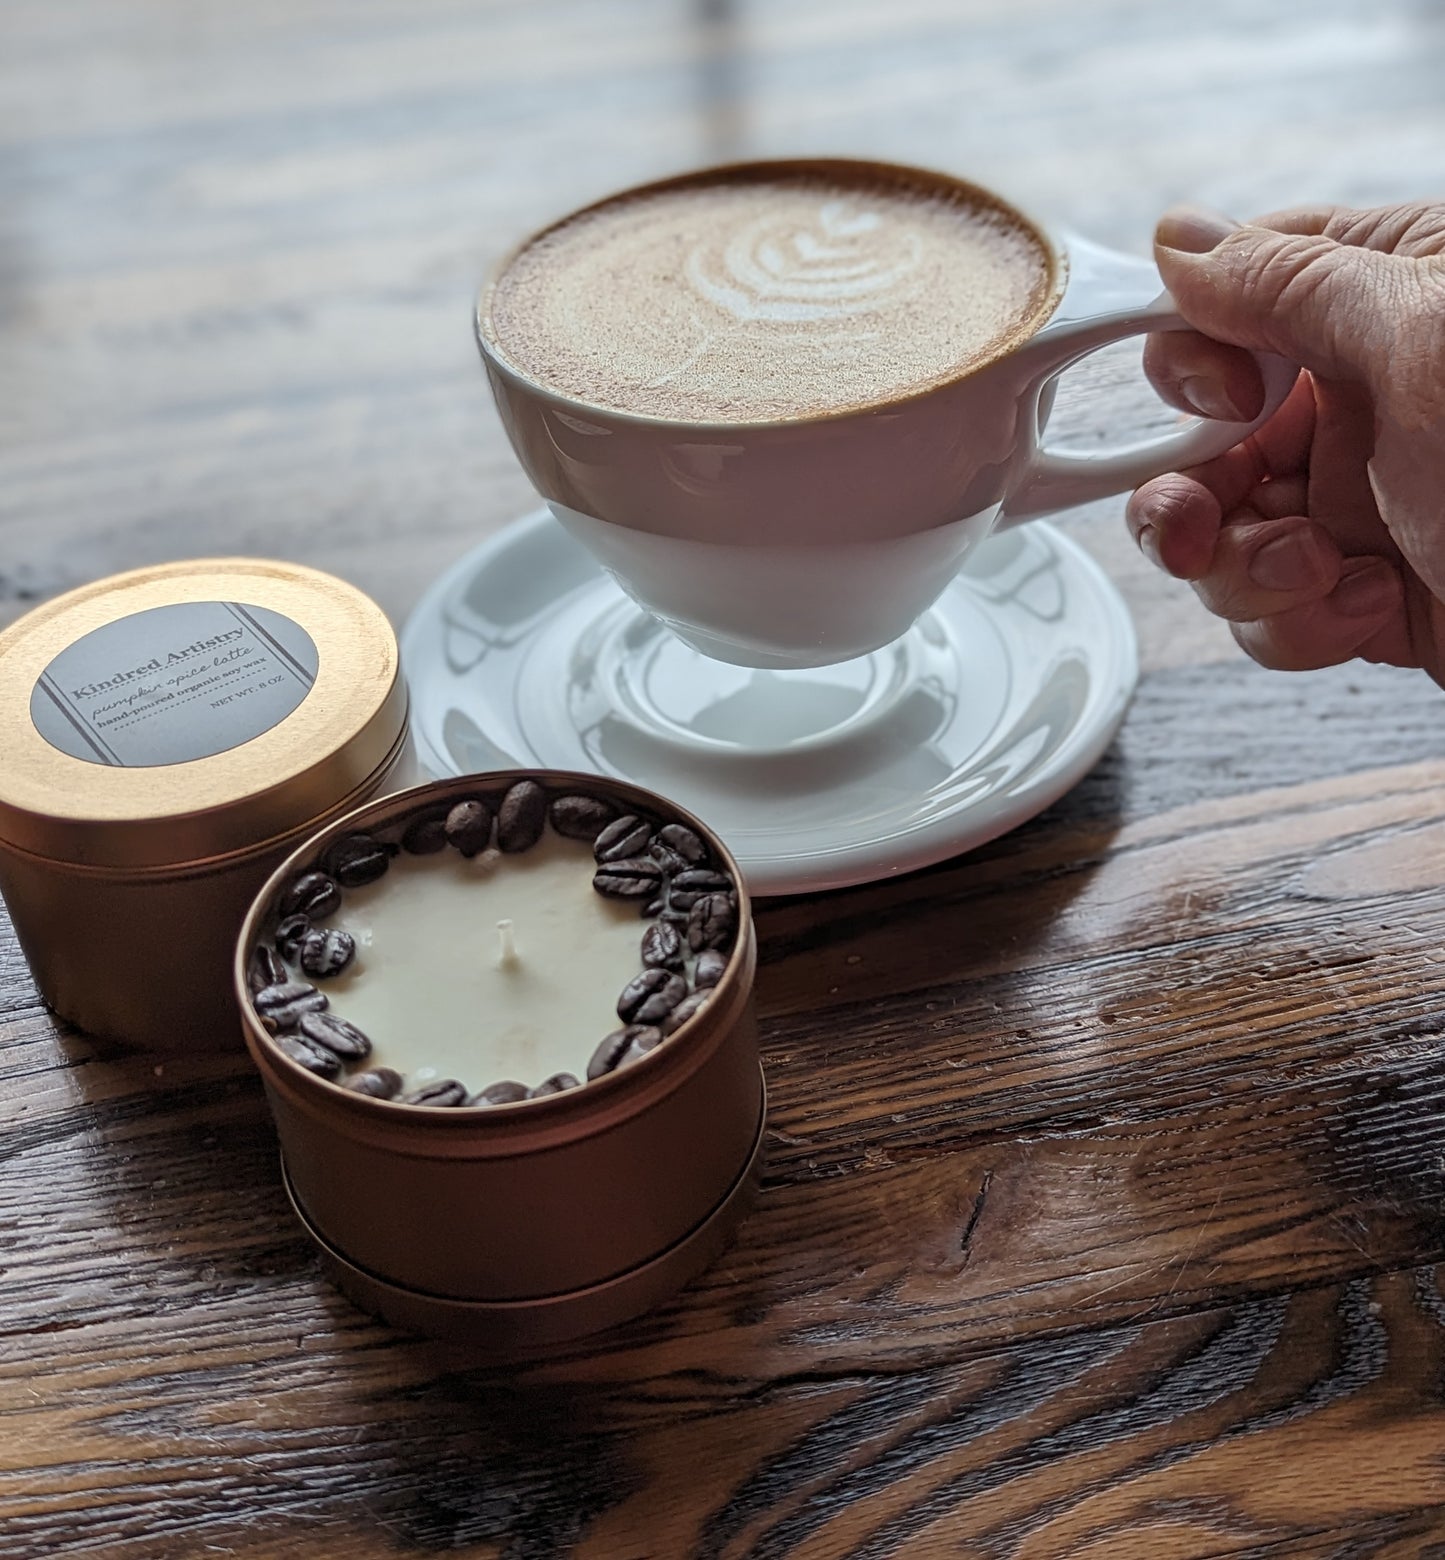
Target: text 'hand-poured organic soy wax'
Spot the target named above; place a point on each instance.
(169, 735)
(517, 1011)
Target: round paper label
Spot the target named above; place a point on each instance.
(174, 683)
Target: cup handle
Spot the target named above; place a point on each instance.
(1111, 296)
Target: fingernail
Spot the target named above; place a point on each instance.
(1210, 398)
(1193, 230)
(1368, 592)
(1149, 545)
(1289, 562)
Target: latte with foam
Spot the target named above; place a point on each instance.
(754, 295)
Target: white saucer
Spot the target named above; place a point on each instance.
(526, 655)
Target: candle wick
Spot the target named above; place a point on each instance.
(508, 958)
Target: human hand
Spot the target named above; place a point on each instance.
(1322, 536)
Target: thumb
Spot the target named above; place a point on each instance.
(1322, 304)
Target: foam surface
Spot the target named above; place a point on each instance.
(747, 299)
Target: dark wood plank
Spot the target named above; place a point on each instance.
(1307, 1422)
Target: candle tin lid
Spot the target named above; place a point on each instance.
(190, 710)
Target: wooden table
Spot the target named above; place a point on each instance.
(1103, 1209)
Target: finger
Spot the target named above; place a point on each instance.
(1281, 448)
(1281, 497)
(1205, 377)
(1340, 468)
(1285, 442)
(1176, 518)
(1278, 450)
(1262, 568)
(1363, 607)
(1320, 302)
(1175, 521)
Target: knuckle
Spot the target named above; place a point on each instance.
(1366, 227)
(1282, 273)
(1339, 303)
(1408, 228)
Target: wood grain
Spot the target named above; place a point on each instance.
(1009, 1172)
(1104, 1212)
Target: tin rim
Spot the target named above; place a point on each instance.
(573, 1113)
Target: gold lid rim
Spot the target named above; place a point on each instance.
(64, 808)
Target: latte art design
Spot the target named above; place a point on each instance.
(747, 299)
(848, 259)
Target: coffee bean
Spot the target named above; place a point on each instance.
(281, 1006)
(443, 1092)
(507, 1092)
(708, 970)
(356, 860)
(668, 860)
(685, 1010)
(662, 947)
(267, 968)
(290, 934)
(650, 996)
(558, 1083)
(312, 894)
(326, 952)
(688, 887)
(581, 817)
(336, 1034)
(712, 922)
(678, 837)
(609, 1053)
(623, 838)
(314, 1058)
(637, 878)
(381, 1083)
(605, 1057)
(638, 1047)
(469, 827)
(521, 817)
(610, 1050)
(653, 908)
(426, 832)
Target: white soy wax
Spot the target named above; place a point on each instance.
(498, 967)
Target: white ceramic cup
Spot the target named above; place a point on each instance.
(804, 541)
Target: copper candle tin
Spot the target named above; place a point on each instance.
(516, 1228)
(169, 734)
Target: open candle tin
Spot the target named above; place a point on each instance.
(516, 1228)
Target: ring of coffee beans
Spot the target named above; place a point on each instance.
(689, 900)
